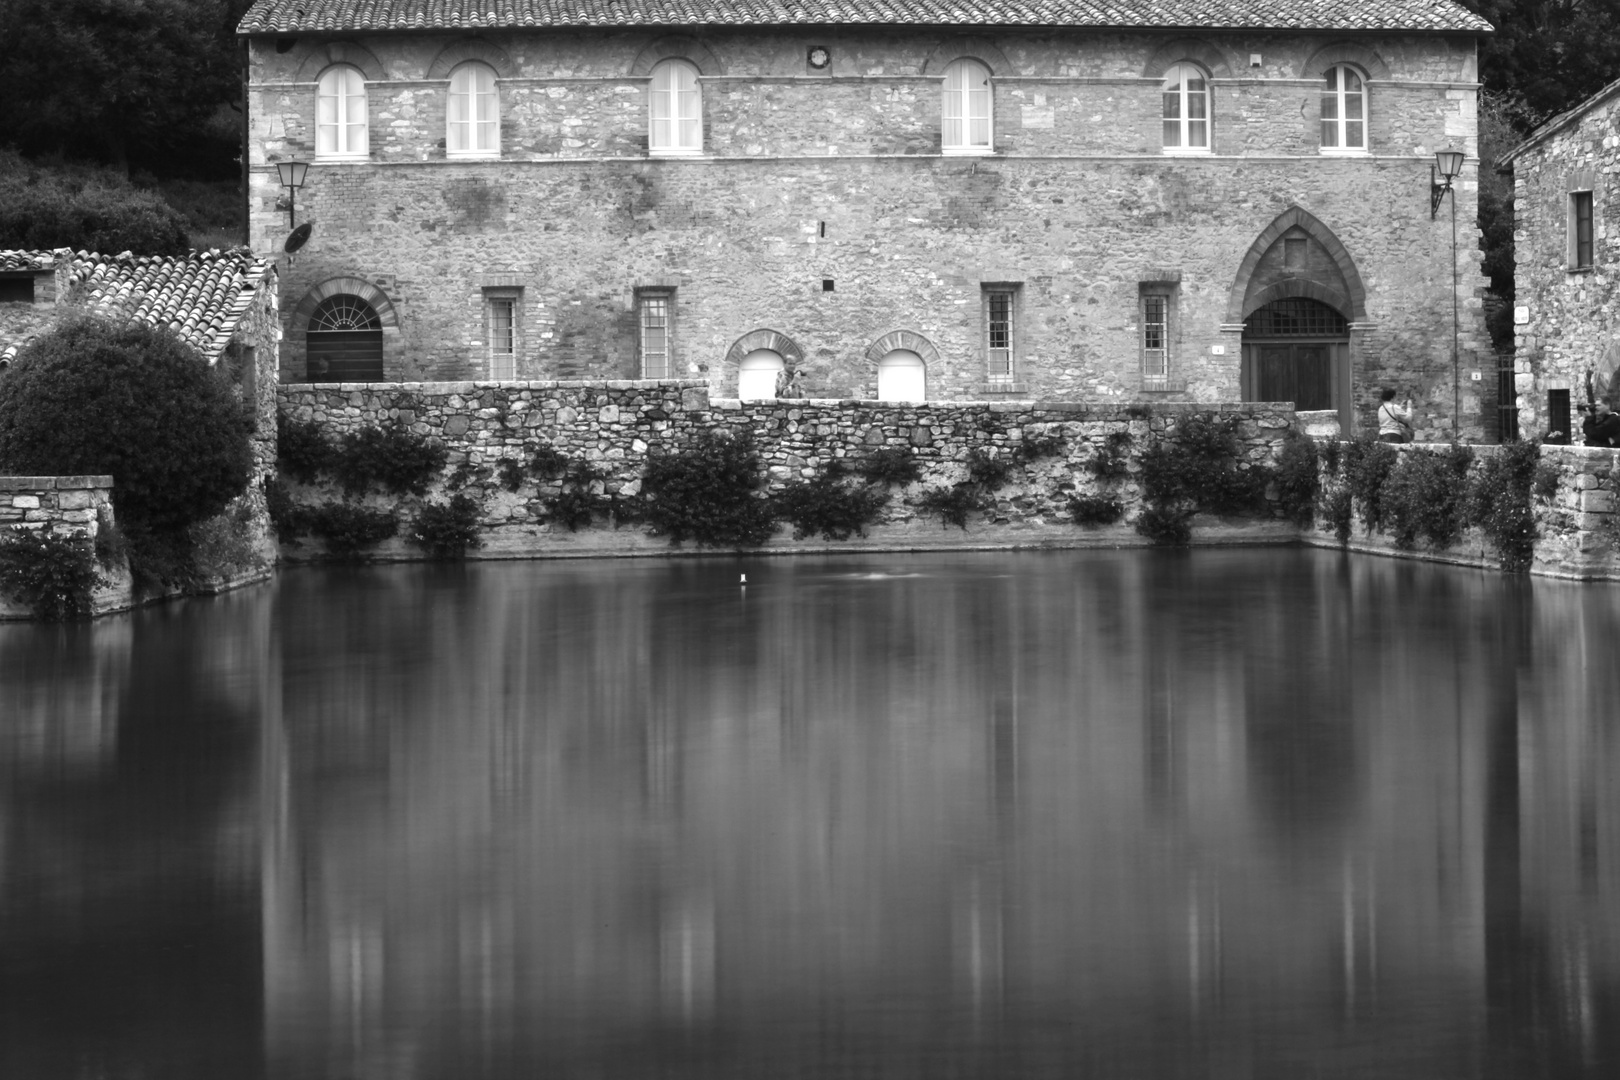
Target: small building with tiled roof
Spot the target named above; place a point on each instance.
(1566, 252)
(1096, 200)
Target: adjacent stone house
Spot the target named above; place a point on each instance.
(1143, 200)
(1566, 243)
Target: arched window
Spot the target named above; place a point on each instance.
(340, 114)
(901, 377)
(1186, 110)
(756, 374)
(474, 128)
(967, 127)
(674, 109)
(1344, 111)
(344, 341)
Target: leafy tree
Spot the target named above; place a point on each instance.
(1548, 55)
(86, 209)
(133, 401)
(108, 78)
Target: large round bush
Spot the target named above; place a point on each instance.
(133, 401)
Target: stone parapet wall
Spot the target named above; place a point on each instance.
(64, 506)
(617, 425)
(1575, 525)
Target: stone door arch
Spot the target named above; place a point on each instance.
(1301, 304)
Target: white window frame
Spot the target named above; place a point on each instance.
(675, 109)
(340, 92)
(963, 104)
(1157, 314)
(479, 135)
(655, 311)
(501, 341)
(1000, 335)
(1338, 100)
(1572, 251)
(1180, 100)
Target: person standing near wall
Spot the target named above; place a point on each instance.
(1601, 426)
(1394, 421)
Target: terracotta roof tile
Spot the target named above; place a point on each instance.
(29, 260)
(285, 16)
(200, 296)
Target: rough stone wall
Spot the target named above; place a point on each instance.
(64, 506)
(617, 425)
(1566, 320)
(1576, 525)
(837, 177)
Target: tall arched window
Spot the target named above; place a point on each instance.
(474, 128)
(967, 127)
(1186, 110)
(340, 114)
(343, 342)
(674, 109)
(1344, 111)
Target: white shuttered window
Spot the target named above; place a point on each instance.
(474, 128)
(967, 126)
(340, 114)
(674, 109)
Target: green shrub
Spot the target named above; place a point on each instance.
(222, 546)
(466, 473)
(708, 493)
(1095, 509)
(1338, 510)
(829, 506)
(1298, 478)
(133, 401)
(511, 472)
(1545, 485)
(112, 550)
(988, 469)
(392, 457)
(1367, 465)
(1500, 503)
(952, 504)
(1165, 525)
(1332, 456)
(447, 530)
(53, 576)
(1035, 447)
(288, 520)
(1108, 461)
(348, 529)
(1425, 496)
(1200, 468)
(573, 506)
(548, 463)
(892, 465)
(84, 209)
(303, 451)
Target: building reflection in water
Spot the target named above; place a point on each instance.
(1133, 814)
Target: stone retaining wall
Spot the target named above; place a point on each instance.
(616, 425)
(63, 505)
(1575, 525)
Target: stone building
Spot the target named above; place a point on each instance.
(1567, 263)
(1153, 199)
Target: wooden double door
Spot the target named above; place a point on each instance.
(1314, 375)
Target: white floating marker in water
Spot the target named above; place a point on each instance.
(744, 580)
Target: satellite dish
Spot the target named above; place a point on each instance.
(298, 237)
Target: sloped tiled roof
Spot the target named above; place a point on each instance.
(287, 16)
(27, 260)
(201, 296)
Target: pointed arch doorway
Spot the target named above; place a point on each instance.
(1302, 305)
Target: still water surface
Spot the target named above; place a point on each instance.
(1227, 814)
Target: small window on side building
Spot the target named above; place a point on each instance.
(1580, 230)
(1155, 339)
(501, 332)
(1000, 309)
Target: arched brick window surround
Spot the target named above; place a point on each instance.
(1344, 52)
(974, 48)
(689, 49)
(346, 286)
(1352, 304)
(909, 340)
(324, 56)
(459, 52)
(1194, 50)
(754, 340)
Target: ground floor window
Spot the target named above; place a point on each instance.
(500, 315)
(344, 341)
(756, 375)
(901, 377)
(655, 313)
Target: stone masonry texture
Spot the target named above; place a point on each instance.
(822, 208)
